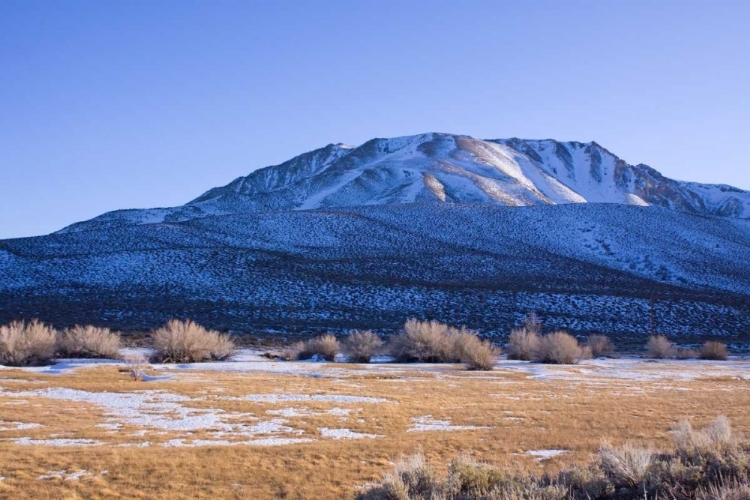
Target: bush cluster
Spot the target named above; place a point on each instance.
(89, 342)
(435, 342)
(526, 343)
(26, 343)
(706, 464)
(188, 342)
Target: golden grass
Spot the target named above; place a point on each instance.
(522, 414)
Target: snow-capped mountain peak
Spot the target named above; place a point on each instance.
(448, 168)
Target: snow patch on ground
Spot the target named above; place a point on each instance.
(427, 423)
(56, 442)
(18, 426)
(345, 434)
(540, 455)
(328, 398)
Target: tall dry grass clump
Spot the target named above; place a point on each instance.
(360, 346)
(714, 350)
(560, 348)
(188, 342)
(659, 347)
(326, 346)
(26, 344)
(523, 342)
(89, 342)
(601, 346)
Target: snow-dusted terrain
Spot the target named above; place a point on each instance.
(435, 226)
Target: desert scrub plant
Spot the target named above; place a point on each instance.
(715, 436)
(188, 342)
(686, 353)
(659, 347)
(360, 346)
(627, 465)
(475, 353)
(716, 466)
(412, 478)
(88, 342)
(523, 342)
(26, 344)
(560, 348)
(326, 346)
(601, 346)
(714, 350)
(423, 341)
(135, 367)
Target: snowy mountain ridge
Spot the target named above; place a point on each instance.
(446, 168)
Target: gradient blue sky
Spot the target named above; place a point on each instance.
(115, 104)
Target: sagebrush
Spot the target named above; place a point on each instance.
(707, 464)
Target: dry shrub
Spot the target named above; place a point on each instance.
(725, 490)
(523, 343)
(601, 346)
(423, 341)
(26, 344)
(291, 352)
(626, 465)
(560, 348)
(435, 342)
(476, 353)
(686, 353)
(188, 342)
(713, 350)
(716, 468)
(659, 347)
(326, 346)
(136, 367)
(360, 346)
(412, 478)
(714, 437)
(89, 342)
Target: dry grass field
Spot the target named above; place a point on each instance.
(256, 429)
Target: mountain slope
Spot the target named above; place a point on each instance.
(448, 168)
(586, 267)
(467, 231)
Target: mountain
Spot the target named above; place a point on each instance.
(445, 168)
(434, 226)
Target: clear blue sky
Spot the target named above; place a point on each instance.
(107, 104)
